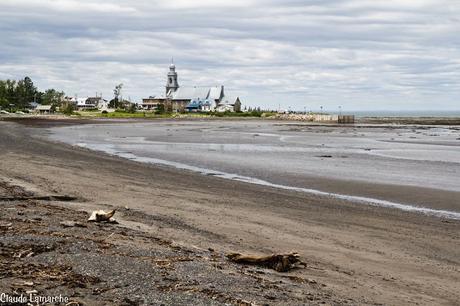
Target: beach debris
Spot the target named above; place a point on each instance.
(74, 303)
(24, 253)
(278, 262)
(101, 216)
(69, 223)
(23, 284)
(6, 225)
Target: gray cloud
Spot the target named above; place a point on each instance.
(355, 53)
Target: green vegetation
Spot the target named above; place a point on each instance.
(67, 109)
(161, 109)
(115, 102)
(120, 113)
(253, 113)
(16, 95)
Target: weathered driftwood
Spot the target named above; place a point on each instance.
(101, 216)
(278, 262)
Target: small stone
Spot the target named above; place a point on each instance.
(71, 224)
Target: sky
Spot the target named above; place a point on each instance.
(298, 54)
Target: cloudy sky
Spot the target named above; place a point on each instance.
(358, 54)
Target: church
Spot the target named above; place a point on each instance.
(191, 99)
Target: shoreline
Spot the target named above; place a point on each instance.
(361, 253)
(360, 120)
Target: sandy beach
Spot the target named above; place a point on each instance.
(175, 225)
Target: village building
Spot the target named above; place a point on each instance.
(152, 103)
(91, 103)
(43, 109)
(193, 99)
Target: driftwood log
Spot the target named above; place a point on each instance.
(101, 216)
(278, 262)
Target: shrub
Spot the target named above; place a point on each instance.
(68, 109)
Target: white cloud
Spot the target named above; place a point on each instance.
(354, 53)
(68, 6)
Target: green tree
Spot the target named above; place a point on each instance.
(52, 97)
(115, 102)
(131, 108)
(3, 95)
(11, 91)
(30, 91)
(160, 109)
(68, 109)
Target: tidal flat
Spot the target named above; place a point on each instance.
(186, 195)
(377, 162)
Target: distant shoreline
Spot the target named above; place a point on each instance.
(55, 120)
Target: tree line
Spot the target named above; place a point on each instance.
(17, 94)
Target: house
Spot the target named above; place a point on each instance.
(197, 105)
(97, 102)
(43, 109)
(103, 104)
(84, 104)
(151, 103)
(91, 103)
(229, 104)
(69, 100)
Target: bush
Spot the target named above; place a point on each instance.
(68, 109)
(160, 110)
(131, 108)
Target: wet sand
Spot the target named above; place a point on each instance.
(407, 165)
(358, 253)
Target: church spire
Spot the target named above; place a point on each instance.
(171, 84)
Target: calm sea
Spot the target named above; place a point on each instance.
(403, 113)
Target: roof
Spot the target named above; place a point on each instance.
(215, 93)
(189, 93)
(230, 100)
(194, 104)
(43, 107)
(93, 99)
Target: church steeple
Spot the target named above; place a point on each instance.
(171, 84)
